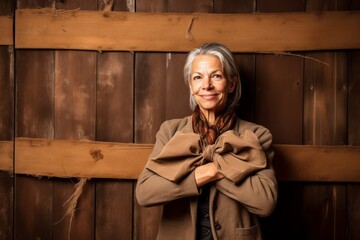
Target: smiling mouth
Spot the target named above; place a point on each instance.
(209, 96)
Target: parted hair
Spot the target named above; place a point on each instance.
(228, 64)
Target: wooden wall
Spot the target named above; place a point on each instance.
(125, 96)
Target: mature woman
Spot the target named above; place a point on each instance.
(211, 171)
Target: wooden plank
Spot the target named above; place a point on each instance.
(75, 115)
(325, 123)
(35, 75)
(34, 111)
(75, 86)
(6, 30)
(150, 88)
(57, 158)
(6, 121)
(280, 110)
(6, 156)
(114, 97)
(325, 99)
(114, 122)
(353, 190)
(33, 204)
(354, 99)
(7, 205)
(114, 196)
(176, 94)
(34, 118)
(317, 163)
(6, 93)
(75, 29)
(90, 159)
(279, 84)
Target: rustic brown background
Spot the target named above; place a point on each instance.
(124, 97)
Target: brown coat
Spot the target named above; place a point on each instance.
(233, 207)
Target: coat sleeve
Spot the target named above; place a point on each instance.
(257, 192)
(152, 189)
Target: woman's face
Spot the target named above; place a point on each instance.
(208, 84)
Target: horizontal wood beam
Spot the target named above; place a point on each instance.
(317, 163)
(86, 159)
(90, 159)
(124, 31)
(6, 30)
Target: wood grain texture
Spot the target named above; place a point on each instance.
(353, 190)
(325, 99)
(34, 111)
(325, 123)
(6, 29)
(115, 122)
(6, 156)
(279, 81)
(89, 159)
(278, 96)
(44, 28)
(80, 159)
(6, 121)
(317, 163)
(75, 118)
(7, 93)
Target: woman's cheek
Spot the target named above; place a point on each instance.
(195, 88)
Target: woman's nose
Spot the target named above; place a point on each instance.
(206, 83)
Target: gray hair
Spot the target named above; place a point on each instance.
(228, 64)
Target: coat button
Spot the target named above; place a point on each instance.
(217, 226)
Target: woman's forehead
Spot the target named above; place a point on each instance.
(206, 61)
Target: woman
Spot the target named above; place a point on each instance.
(211, 171)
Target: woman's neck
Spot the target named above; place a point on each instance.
(210, 117)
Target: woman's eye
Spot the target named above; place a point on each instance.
(196, 78)
(217, 76)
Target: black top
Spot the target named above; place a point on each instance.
(203, 219)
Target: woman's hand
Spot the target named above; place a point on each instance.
(206, 173)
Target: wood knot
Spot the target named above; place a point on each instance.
(96, 154)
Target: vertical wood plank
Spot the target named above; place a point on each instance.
(150, 86)
(75, 104)
(114, 122)
(75, 81)
(280, 6)
(6, 93)
(158, 82)
(114, 112)
(325, 123)
(353, 190)
(325, 111)
(176, 92)
(231, 6)
(6, 206)
(6, 128)
(114, 209)
(34, 118)
(279, 106)
(278, 102)
(34, 75)
(278, 96)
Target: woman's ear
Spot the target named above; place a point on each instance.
(232, 84)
